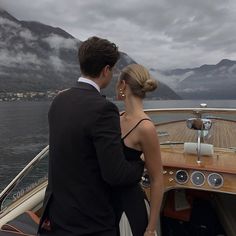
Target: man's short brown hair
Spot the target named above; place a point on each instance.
(94, 54)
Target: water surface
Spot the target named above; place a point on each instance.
(24, 129)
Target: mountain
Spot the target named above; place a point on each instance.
(204, 82)
(39, 57)
(35, 57)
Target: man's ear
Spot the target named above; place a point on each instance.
(106, 69)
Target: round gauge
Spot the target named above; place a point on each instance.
(198, 178)
(181, 176)
(215, 180)
(145, 181)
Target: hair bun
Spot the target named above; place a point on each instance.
(139, 79)
(149, 85)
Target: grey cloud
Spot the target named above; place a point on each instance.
(232, 69)
(7, 58)
(171, 80)
(195, 90)
(26, 34)
(156, 33)
(57, 63)
(15, 29)
(7, 23)
(58, 42)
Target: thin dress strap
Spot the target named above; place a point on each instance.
(134, 127)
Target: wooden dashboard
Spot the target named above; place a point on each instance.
(222, 163)
(215, 173)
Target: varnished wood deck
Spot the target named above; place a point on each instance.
(175, 133)
(222, 133)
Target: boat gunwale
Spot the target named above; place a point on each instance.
(21, 174)
(194, 110)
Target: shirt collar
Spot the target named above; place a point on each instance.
(89, 81)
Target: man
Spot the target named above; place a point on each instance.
(85, 151)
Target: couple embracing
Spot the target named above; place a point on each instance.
(94, 152)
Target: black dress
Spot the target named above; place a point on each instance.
(130, 202)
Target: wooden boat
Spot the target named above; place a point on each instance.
(199, 169)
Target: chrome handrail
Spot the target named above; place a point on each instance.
(22, 174)
(196, 110)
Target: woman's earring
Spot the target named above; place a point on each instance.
(122, 94)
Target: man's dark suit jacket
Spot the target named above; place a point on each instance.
(85, 162)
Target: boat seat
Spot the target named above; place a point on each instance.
(24, 224)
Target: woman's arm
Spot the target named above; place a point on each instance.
(151, 149)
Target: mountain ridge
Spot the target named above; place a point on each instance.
(39, 57)
(204, 82)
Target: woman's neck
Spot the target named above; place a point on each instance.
(133, 107)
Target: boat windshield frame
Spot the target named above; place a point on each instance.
(6, 191)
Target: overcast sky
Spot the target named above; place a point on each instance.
(159, 34)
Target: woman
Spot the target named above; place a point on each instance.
(134, 216)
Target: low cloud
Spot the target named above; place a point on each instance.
(232, 69)
(194, 90)
(18, 58)
(27, 35)
(58, 42)
(171, 80)
(57, 63)
(14, 29)
(8, 23)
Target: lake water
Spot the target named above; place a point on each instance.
(24, 129)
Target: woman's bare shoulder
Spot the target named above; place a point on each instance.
(147, 127)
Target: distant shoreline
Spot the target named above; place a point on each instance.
(28, 96)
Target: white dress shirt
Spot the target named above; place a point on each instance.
(89, 81)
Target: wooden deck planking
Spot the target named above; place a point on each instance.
(222, 133)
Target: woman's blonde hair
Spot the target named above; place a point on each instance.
(139, 79)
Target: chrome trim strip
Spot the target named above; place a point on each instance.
(21, 175)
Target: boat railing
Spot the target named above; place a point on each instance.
(192, 110)
(22, 174)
